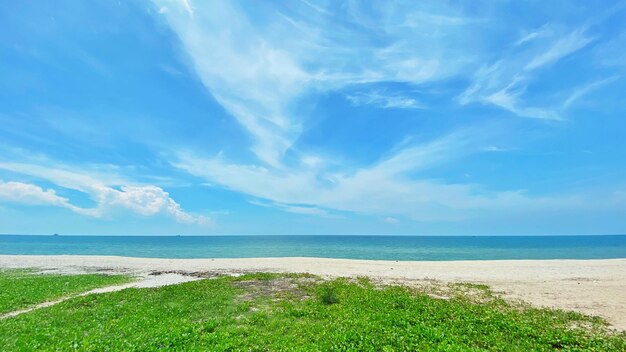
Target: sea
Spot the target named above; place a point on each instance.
(350, 247)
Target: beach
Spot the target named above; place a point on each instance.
(593, 287)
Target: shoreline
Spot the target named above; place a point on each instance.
(589, 286)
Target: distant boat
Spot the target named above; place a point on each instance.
(56, 234)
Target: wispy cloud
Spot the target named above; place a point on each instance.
(560, 49)
(382, 188)
(611, 52)
(253, 77)
(296, 209)
(544, 31)
(259, 70)
(493, 148)
(391, 220)
(383, 100)
(581, 91)
(508, 98)
(488, 88)
(504, 83)
(279, 66)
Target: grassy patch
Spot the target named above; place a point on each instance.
(23, 288)
(278, 313)
(328, 295)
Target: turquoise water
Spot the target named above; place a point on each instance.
(352, 247)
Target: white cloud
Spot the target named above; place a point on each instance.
(508, 98)
(24, 193)
(494, 148)
(305, 210)
(419, 19)
(579, 92)
(187, 6)
(259, 69)
(504, 83)
(372, 190)
(611, 53)
(250, 76)
(391, 220)
(544, 31)
(382, 100)
(561, 48)
(296, 209)
(145, 200)
(385, 187)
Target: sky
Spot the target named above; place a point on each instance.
(313, 117)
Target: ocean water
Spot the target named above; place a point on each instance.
(352, 247)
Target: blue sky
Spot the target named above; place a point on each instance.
(313, 117)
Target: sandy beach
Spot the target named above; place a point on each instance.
(595, 287)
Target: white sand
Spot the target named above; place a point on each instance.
(596, 287)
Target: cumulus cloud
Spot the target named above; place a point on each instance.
(25, 193)
(145, 200)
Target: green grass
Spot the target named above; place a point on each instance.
(266, 312)
(24, 288)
